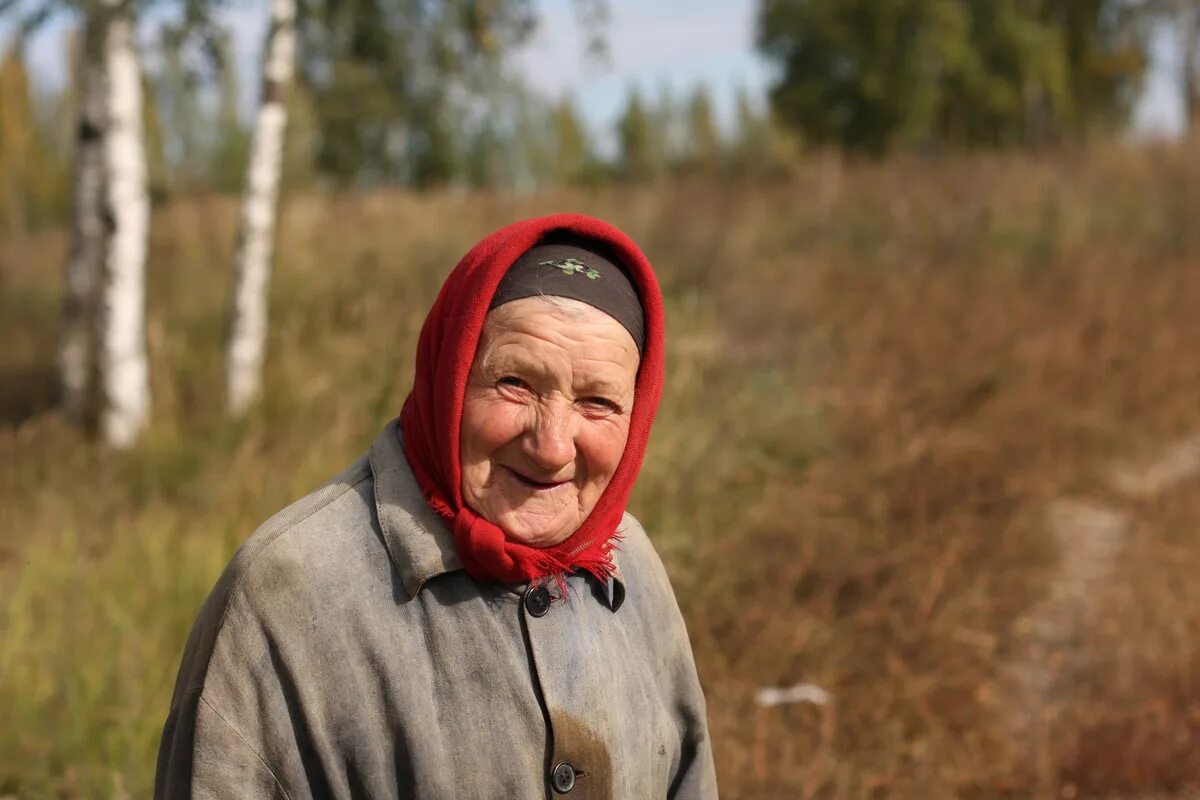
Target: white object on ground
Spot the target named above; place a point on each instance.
(771, 696)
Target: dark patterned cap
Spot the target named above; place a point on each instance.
(579, 269)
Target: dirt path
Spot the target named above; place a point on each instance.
(1090, 536)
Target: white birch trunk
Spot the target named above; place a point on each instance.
(76, 351)
(252, 260)
(123, 369)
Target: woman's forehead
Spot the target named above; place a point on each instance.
(557, 320)
(544, 338)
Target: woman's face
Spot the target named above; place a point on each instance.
(545, 416)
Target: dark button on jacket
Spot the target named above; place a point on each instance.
(537, 601)
(345, 653)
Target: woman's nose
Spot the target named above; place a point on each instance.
(550, 442)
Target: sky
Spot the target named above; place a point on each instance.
(652, 44)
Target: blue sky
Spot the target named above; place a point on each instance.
(653, 44)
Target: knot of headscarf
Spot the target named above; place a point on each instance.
(432, 415)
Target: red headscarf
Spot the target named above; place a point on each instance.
(432, 415)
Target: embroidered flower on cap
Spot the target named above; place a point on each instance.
(571, 266)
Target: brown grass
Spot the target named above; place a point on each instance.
(879, 377)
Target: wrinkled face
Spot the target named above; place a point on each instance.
(545, 416)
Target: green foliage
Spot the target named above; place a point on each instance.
(640, 139)
(300, 141)
(760, 148)
(873, 74)
(154, 136)
(33, 177)
(230, 149)
(703, 140)
(195, 138)
(573, 159)
(391, 81)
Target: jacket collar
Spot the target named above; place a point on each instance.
(419, 542)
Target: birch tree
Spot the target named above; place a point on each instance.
(103, 333)
(252, 259)
(86, 256)
(124, 373)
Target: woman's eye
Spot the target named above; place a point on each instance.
(601, 404)
(512, 381)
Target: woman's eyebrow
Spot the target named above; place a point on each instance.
(603, 386)
(501, 361)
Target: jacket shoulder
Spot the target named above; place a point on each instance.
(635, 540)
(274, 554)
(638, 560)
(318, 521)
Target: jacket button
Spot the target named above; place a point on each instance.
(563, 777)
(537, 601)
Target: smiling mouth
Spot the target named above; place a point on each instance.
(532, 484)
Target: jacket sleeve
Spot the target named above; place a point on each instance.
(227, 717)
(214, 761)
(696, 777)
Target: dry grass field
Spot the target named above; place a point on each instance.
(883, 381)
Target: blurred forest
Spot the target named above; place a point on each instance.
(428, 99)
(925, 471)
(368, 109)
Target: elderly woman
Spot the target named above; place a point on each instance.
(467, 611)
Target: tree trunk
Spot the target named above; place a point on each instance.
(123, 368)
(76, 351)
(252, 260)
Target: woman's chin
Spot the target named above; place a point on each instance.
(535, 532)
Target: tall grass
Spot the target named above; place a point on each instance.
(878, 377)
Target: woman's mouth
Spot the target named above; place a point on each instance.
(536, 485)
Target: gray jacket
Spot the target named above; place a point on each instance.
(345, 653)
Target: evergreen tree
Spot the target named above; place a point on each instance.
(434, 150)
(751, 136)
(157, 170)
(18, 144)
(872, 74)
(229, 148)
(668, 130)
(703, 139)
(33, 170)
(858, 72)
(300, 141)
(572, 152)
(639, 142)
(486, 156)
(534, 143)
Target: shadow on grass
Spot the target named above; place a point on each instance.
(26, 390)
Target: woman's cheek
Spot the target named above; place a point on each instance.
(604, 445)
(495, 421)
